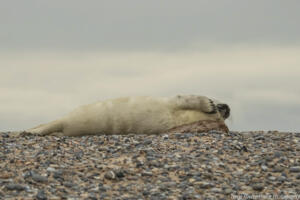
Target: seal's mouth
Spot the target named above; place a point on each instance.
(224, 110)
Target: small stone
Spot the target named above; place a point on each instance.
(295, 169)
(50, 169)
(78, 155)
(260, 138)
(236, 187)
(216, 190)
(146, 193)
(58, 174)
(298, 176)
(139, 163)
(272, 178)
(203, 184)
(269, 158)
(41, 195)
(282, 159)
(283, 174)
(147, 142)
(258, 187)
(147, 173)
(165, 137)
(5, 175)
(264, 167)
(186, 196)
(120, 173)
(278, 169)
(277, 154)
(92, 197)
(39, 178)
(13, 186)
(110, 175)
(244, 188)
(69, 184)
(28, 174)
(104, 188)
(281, 178)
(227, 191)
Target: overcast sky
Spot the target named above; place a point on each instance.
(56, 55)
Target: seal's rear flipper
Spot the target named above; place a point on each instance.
(47, 129)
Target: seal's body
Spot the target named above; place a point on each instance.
(137, 115)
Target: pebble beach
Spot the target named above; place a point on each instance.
(208, 165)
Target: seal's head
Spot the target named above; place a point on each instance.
(224, 110)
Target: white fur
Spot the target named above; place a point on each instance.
(138, 115)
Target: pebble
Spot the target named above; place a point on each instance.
(39, 178)
(207, 165)
(58, 174)
(50, 169)
(227, 191)
(119, 173)
(5, 175)
(13, 186)
(272, 178)
(147, 174)
(110, 175)
(281, 178)
(41, 195)
(277, 154)
(216, 190)
(165, 137)
(258, 187)
(69, 184)
(295, 169)
(278, 169)
(264, 167)
(147, 142)
(204, 185)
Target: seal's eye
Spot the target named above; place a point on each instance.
(224, 110)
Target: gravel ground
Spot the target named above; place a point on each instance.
(210, 165)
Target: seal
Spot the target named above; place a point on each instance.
(137, 115)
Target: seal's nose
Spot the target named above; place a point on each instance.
(224, 110)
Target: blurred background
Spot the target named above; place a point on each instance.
(57, 55)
